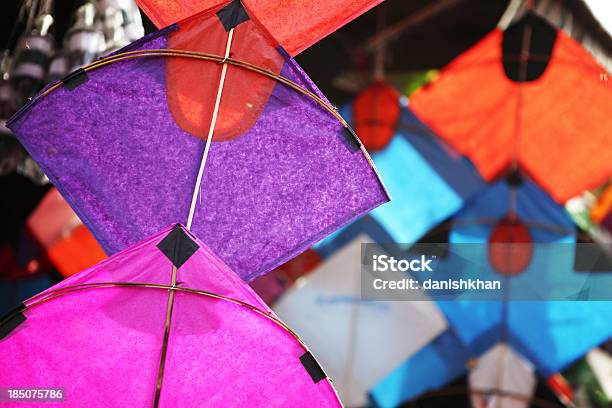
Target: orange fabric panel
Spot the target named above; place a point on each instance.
(191, 99)
(558, 126)
(376, 111)
(75, 253)
(295, 24)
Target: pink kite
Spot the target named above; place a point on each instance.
(163, 323)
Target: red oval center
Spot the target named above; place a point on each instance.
(510, 246)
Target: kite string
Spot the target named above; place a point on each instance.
(213, 122)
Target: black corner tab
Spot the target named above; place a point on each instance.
(527, 47)
(75, 79)
(11, 320)
(312, 367)
(178, 246)
(514, 178)
(350, 139)
(232, 15)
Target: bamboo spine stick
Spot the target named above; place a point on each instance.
(194, 199)
(211, 130)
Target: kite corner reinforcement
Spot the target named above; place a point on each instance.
(74, 79)
(311, 365)
(11, 320)
(232, 15)
(178, 246)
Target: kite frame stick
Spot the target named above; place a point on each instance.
(164, 350)
(204, 57)
(211, 129)
(194, 199)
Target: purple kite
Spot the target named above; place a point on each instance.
(208, 123)
(163, 323)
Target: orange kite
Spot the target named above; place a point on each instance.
(529, 97)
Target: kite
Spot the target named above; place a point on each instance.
(62, 237)
(544, 327)
(358, 341)
(163, 323)
(525, 86)
(294, 24)
(206, 123)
